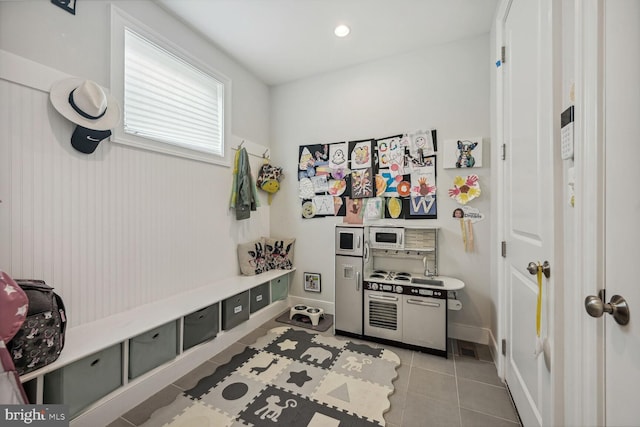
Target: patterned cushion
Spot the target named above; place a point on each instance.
(279, 253)
(252, 257)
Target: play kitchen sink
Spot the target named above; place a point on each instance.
(427, 281)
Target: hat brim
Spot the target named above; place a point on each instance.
(59, 96)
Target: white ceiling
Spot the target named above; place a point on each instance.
(284, 40)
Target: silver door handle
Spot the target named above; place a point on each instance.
(617, 307)
(383, 297)
(532, 268)
(357, 280)
(425, 303)
(358, 244)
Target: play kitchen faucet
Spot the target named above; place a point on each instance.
(427, 272)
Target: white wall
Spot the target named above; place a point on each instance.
(120, 227)
(444, 87)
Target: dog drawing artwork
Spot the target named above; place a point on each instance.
(465, 158)
(272, 410)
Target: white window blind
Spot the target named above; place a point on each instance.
(168, 100)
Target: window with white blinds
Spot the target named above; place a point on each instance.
(169, 100)
(174, 99)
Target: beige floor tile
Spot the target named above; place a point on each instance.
(477, 370)
(397, 400)
(433, 385)
(433, 363)
(485, 398)
(420, 411)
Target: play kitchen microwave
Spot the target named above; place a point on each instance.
(386, 237)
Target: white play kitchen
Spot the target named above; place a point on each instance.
(387, 286)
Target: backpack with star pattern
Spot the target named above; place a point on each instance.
(41, 337)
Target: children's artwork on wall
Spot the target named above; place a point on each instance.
(381, 185)
(422, 207)
(466, 228)
(390, 183)
(337, 187)
(339, 207)
(423, 179)
(463, 153)
(361, 154)
(421, 144)
(390, 151)
(320, 183)
(362, 183)
(394, 208)
(394, 176)
(465, 189)
(305, 188)
(472, 214)
(458, 213)
(374, 208)
(353, 213)
(323, 205)
(313, 159)
(308, 209)
(338, 156)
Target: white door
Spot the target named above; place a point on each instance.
(529, 201)
(622, 133)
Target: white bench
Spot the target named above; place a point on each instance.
(84, 340)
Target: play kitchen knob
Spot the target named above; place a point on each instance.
(617, 307)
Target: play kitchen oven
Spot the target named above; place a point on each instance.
(396, 310)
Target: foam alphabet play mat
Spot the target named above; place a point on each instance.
(291, 377)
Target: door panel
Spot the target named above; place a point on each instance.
(528, 190)
(622, 128)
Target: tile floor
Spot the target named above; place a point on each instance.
(429, 391)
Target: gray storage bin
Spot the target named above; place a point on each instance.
(259, 297)
(85, 381)
(200, 326)
(152, 348)
(280, 288)
(235, 310)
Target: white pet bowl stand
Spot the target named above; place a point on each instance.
(313, 313)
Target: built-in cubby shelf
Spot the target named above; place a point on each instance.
(87, 342)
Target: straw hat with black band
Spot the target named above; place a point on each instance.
(86, 104)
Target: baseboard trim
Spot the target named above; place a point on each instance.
(470, 333)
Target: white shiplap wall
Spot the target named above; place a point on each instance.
(114, 229)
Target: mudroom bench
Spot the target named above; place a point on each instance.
(112, 364)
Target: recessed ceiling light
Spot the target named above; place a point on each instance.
(342, 30)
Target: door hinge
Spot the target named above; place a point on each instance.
(503, 54)
(504, 347)
(504, 152)
(504, 249)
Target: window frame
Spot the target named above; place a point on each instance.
(119, 21)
